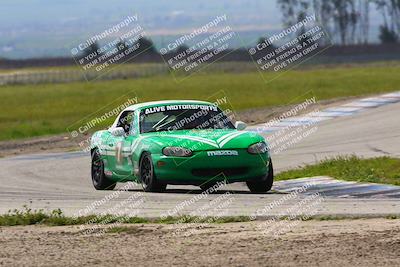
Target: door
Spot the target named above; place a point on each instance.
(123, 160)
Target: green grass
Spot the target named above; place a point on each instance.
(383, 170)
(36, 110)
(57, 218)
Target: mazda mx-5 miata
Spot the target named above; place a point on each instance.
(179, 142)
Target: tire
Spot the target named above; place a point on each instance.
(147, 176)
(99, 179)
(263, 185)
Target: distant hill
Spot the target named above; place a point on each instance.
(49, 28)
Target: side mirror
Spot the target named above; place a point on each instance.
(240, 125)
(119, 131)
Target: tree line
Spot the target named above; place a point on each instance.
(346, 21)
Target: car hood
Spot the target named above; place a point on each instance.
(197, 140)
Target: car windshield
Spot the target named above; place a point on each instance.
(183, 117)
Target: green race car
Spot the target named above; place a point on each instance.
(179, 142)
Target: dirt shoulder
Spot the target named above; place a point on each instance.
(367, 242)
(64, 142)
(56, 143)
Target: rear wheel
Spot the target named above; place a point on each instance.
(265, 184)
(99, 179)
(147, 176)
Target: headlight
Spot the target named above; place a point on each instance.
(177, 151)
(258, 148)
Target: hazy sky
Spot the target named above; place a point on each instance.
(38, 28)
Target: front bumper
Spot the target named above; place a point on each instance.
(201, 168)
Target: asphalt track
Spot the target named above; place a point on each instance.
(62, 180)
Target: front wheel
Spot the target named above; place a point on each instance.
(147, 177)
(265, 184)
(99, 179)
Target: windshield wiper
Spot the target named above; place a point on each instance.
(159, 122)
